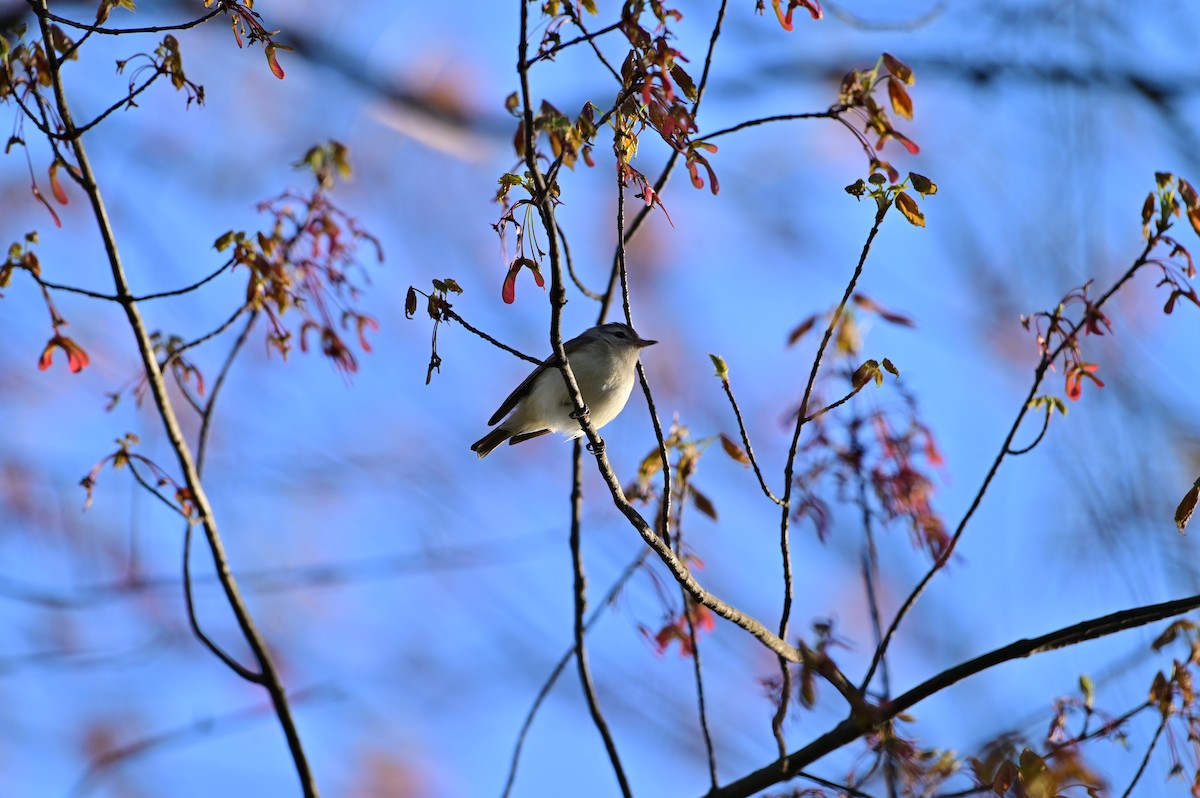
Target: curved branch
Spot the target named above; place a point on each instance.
(40, 10)
(270, 678)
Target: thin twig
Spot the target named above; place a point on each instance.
(186, 289)
(586, 37)
(737, 411)
(124, 101)
(466, 326)
(623, 274)
(583, 289)
(830, 113)
(207, 415)
(580, 593)
(1146, 759)
(591, 39)
(561, 665)
(694, 641)
(789, 471)
(153, 491)
(70, 289)
(1038, 439)
(120, 31)
(190, 604)
(225, 325)
(669, 167)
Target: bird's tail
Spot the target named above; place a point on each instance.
(484, 445)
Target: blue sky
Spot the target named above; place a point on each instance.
(445, 598)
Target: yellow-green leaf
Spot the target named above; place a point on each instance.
(719, 364)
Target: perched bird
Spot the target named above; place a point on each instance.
(603, 360)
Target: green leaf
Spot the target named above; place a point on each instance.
(719, 364)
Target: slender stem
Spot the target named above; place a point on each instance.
(158, 388)
(828, 114)
(1146, 759)
(789, 472)
(623, 273)
(870, 575)
(737, 411)
(545, 205)
(694, 641)
(467, 326)
(207, 414)
(585, 676)
(121, 31)
(586, 37)
(560, 666)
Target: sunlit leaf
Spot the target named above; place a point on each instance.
(276, 69)
(901, 102)
(55, 186)
(908, 206)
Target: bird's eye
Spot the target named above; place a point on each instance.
(620, 334)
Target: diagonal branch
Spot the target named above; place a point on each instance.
(853, 728)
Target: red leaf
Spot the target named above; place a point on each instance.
(784, 19)
(276, 69)
(908, 143)
(38, 196)
(55, 186)
(364, 323)
(77, 359)
(509, 292)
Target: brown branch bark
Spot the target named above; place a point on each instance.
(267, 675)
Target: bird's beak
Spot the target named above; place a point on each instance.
(643, 343)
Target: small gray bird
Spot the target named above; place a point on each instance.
(603, 360)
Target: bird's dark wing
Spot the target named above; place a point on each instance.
(519, 392)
